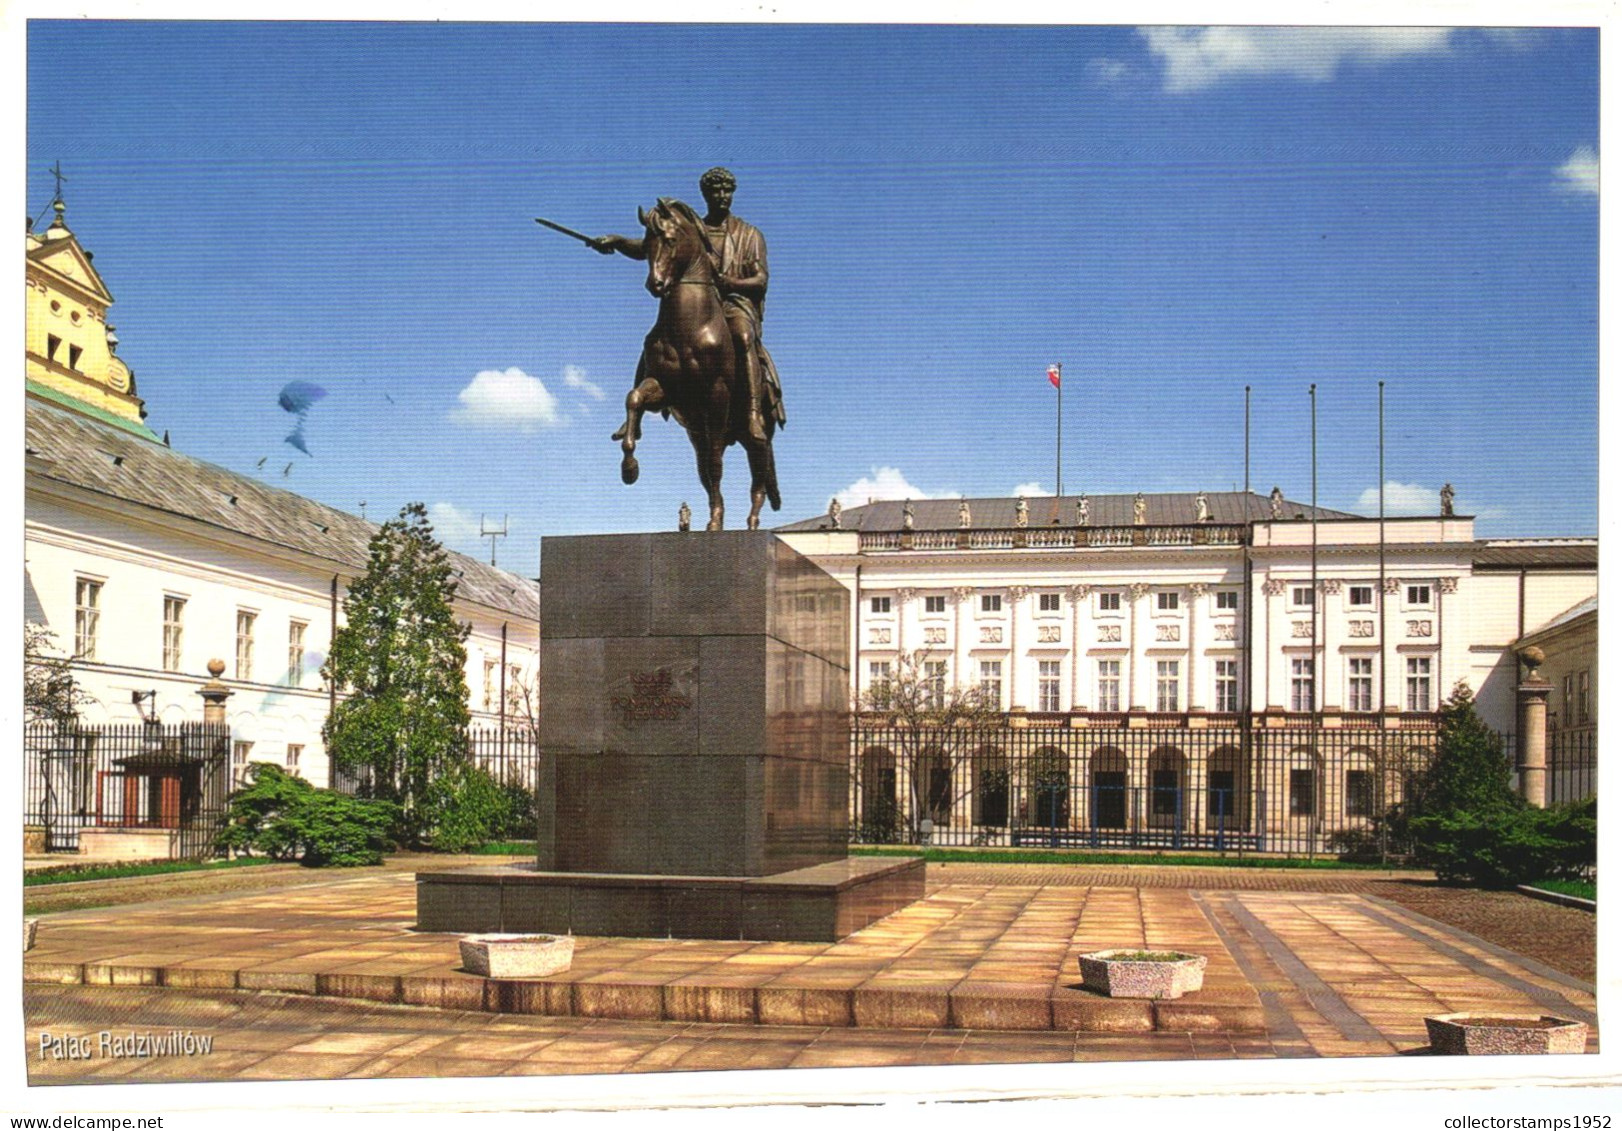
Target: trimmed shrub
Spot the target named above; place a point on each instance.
(1504, 847)
(282, 816)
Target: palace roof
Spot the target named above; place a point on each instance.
(1171, 509)
(69, 448)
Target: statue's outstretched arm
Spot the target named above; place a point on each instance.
(630, 248)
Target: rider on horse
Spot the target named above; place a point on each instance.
(743, 279)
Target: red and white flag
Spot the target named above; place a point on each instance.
(1053, 375)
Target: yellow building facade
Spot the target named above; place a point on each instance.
(71, 350)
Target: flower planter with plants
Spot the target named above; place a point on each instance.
(1158, 974)
(1471, 1034)
(517, 956)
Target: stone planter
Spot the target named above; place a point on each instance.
(1160, 974)
(30, 929)
(1479, 1034)
(517, 956)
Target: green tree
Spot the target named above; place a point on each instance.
(49, 693)
(1469, 772)
(400, 663)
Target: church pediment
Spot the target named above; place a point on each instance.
(67, 261)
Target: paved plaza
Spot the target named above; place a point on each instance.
(331, 980)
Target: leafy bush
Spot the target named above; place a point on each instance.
(1508, 846)
(286, 818)
(465, 807)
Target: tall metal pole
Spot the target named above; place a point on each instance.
(1247, 443)
(1381, 597)
(1312, 392)
(1058, 433)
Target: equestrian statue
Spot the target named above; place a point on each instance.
(703, 362)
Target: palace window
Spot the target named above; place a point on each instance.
(1303, 794)
(991, 683)
(1419, 596)
(1582, 696)
(1419, 683)
(880, 604)
(1047, 685)
(1360, 683)
(1227, 600)
(174, 609)
(1167, 678)
(1360, 596)
(879, 675)
(1301, 596)
(1359, 793)
(240, 753)
(1167, 602)
(935, 603)
(1227, 686)
(1109, 685)
(86, 617)
(295, 652)
(515, 694)
(74, 354)
(1047, 602)
(1109, 602)
(245, 621)
(492, 680)
(991, 602)
(935, 684)
(1301, 691)
(295, 752)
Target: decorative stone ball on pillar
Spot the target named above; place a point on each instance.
(1531, 721)
(214, 694)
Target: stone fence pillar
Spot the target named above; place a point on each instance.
(1531, 724)
(214, 694)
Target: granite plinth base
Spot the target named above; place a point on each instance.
(822, 903)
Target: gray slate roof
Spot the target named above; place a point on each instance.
(1173, 509)
(1587, 607)
(1538, 553)
(70, 448)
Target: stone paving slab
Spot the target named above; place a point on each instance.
(1319, 972)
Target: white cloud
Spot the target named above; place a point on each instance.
(1200, 58)
(452, 525)
(885, 483)
(1107, 72)
(507, 398)
(1580, 173)
(1030, 491)
(1401, 499)
(575, 377)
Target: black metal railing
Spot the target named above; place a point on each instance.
(1295, 791)
(166, 782)
(1573, 764)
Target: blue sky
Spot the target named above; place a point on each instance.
(1171, 213)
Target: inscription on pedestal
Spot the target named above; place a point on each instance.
(652, 697)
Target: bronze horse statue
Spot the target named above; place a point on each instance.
(688, 367)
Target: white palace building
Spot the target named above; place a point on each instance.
(1172, 666)
(145, 565)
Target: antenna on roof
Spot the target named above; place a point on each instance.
(363, 510)
(493, 535)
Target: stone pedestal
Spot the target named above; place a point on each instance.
(694, 734)
(1531, 722)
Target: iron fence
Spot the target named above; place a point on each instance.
(1573, 764)
(1299, 790)
(164, 785)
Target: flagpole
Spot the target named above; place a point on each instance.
(1058, 432)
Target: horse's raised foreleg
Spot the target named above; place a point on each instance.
(647, 396)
